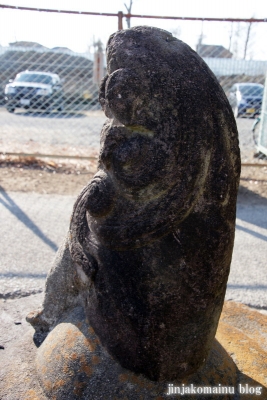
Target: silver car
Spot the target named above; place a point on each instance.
(246, 98)
(34, 89)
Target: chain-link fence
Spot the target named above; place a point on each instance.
(49, 100)
(49, 106)
(49, 96)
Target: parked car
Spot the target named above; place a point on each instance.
(34, 89)
(246, 98)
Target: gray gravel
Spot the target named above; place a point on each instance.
(248, 277)
(75, 132)
(33, 226)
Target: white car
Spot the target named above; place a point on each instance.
(35, 89)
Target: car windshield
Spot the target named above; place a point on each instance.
(248, 90)
(34, 78)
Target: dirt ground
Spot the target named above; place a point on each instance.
(48, 176)
(67, 178)
(70, 176)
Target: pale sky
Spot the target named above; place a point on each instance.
(79, 32)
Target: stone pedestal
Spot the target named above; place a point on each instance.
(80, 369)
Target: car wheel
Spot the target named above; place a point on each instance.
(10, 109)
(61, 107)
(236, 112)
(49, 109)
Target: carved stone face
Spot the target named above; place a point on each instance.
(157, 144)
(156, 223)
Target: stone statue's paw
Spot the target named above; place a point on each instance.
(40, 324)
(37, 320)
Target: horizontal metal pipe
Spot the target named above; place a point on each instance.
(134, 15)
(253, 165)
(37, 155)
(57, 11)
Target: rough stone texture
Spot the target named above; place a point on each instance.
(151, 236)
(72, 356)
(242, 332)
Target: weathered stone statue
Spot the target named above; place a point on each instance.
(147, 258)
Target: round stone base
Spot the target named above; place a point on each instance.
(72, 364)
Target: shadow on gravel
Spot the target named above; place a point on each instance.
(17, 274)
(251, 201)
(251, 287)
(7, 202)
(250, 231)
(246, 196)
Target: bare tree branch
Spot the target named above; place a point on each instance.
(247, 39)
(129, 9)
(231, 36)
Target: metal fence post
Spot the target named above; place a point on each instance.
(120, 23)
(67, 108)
(262, 142)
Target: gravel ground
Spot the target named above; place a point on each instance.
(37, 198)
(32, 228)
(248, 279)
(70, 134)
(36, 201)
(76, 133)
